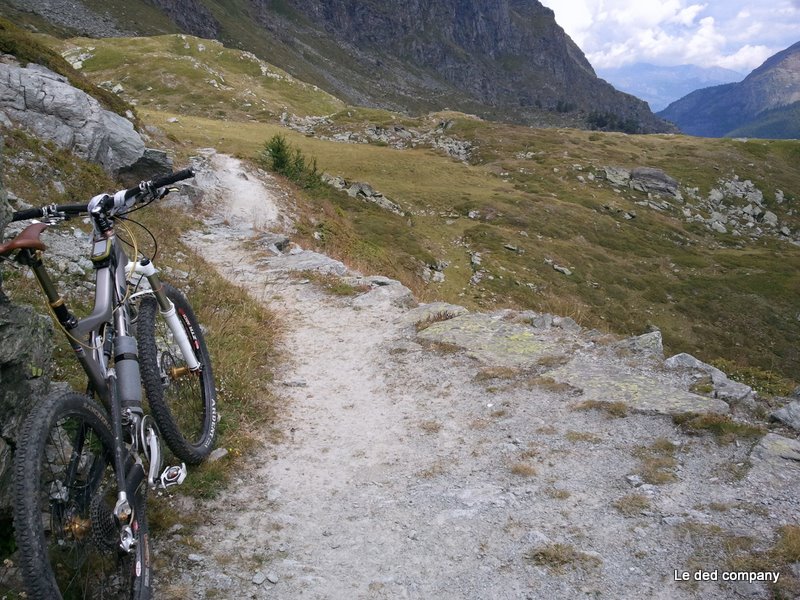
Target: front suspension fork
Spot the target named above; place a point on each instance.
(167, 308)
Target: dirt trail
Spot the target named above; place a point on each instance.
(403, 475)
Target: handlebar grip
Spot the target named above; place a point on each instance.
(30, 213)
(160, 183)
(175, 177)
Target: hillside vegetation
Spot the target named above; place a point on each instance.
(526, 201)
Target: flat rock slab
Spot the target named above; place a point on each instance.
(305, 261)
(777, 450)
(424, 312)
(493, 340)
(605, 381)
(394, 294)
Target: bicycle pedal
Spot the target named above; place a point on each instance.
(173, 476)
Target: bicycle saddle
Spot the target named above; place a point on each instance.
(27, 238)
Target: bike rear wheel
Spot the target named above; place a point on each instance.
(184, 403)
(64, 495)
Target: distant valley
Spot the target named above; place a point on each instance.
(766, 104)
(661, 86)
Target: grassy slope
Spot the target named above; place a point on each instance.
(192, 76)
(713, 295)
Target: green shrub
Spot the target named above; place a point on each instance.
(279, 156)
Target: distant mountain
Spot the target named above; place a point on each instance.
(501, 59)
(660, 86)
(763, 105)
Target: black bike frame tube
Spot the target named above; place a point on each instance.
(77, 452)
(116, 429)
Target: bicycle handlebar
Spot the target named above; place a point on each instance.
(77, 209)
(160, 183)
(43, 211)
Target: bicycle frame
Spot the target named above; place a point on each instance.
(103, 334)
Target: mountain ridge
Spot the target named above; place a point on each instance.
(505, 60)
(721, 110)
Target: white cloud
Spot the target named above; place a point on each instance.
(746, 58)
(736, 34)
(687, 16)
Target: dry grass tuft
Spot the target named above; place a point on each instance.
(522, 469)
(430, 426)
(557, 493)
(556, 556)
(632, 504)
(551, 385)
(438, 317)
(616, 410)
(332, 284)
(583, 436)
(658, 462)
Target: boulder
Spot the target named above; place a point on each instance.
(654, 181)
(724, 389)
(617, 176)
(304, 260)
(777, 450)
(788, 415)
(427, 312)
(493, 340)
(152, 164)
(44, 103)
(385, 292)
(650, 345)
(612, 381)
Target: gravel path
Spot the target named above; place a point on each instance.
(411, 471)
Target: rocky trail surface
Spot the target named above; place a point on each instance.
(503, 455)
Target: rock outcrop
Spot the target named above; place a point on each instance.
(74, 16)
(734, 206)
(191, 16)
(44, 103)
(499, 58)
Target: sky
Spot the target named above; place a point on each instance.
(734, 34)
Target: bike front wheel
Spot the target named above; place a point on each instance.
(64, 497)
(183, 402)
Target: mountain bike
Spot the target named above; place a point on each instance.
(83, 462)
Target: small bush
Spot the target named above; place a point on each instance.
(658, 462)
(522, 469)
(279, 156)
